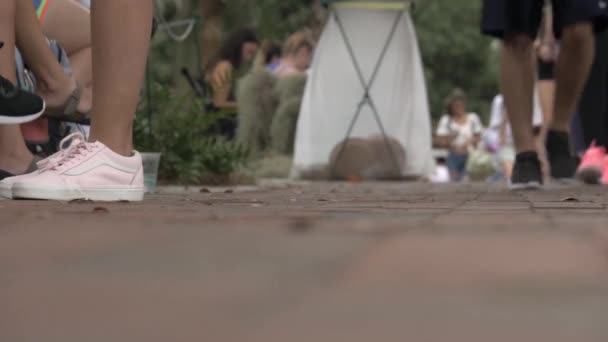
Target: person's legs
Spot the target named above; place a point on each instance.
(593, 106)
(52, 82)
(69, 23)
(516, 22)
(517, 85)
(121, 37)
(593, 116)
(106, 168)
(575, 21)
(14, 155)
(573, 65)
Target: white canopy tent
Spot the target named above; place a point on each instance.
(366, 80)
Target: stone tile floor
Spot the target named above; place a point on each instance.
(317, 262)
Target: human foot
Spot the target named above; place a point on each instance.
(526, 172)
(592, 165)
(67, 101)
(562, 163)
(85, 171)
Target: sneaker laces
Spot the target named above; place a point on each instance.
(7, 88)
(66, 148)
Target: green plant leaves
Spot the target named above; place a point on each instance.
(183, 132)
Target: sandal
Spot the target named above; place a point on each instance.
(69, 111)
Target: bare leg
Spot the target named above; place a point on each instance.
(68, 22)
(546, 94)
(517, 82)
(53, 84)
(82, 66)
(121, 37)
(573, 65)
(507, 168)
(14, 155)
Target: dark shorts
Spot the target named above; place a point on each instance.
(502, 17)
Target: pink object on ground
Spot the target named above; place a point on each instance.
(605, 173)
(85, 171)
(592, 165)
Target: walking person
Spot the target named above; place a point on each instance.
(517, 22)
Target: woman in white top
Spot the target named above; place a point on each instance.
(459, 131)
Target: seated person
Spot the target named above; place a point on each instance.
(221, 73)
(298, 51)
(272, 56)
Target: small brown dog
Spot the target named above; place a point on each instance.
(363, 159)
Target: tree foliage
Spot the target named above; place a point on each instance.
(455, 54)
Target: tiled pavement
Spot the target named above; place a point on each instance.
(325, 262)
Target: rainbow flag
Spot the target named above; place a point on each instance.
(41, 6)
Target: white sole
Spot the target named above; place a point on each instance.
(6, 191)
(525, 186)
(116, 194)
(16, 120)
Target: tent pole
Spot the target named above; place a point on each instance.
(367, 86)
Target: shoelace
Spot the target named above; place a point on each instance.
(65, 149)
(7, 89)
(73, 155)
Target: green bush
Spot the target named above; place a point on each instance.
(181, 130)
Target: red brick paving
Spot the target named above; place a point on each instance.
(325, 262)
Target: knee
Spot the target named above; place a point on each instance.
(519, 43)
(577, 34)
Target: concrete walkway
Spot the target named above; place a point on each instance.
(324, 262)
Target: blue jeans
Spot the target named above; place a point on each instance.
(457, 164)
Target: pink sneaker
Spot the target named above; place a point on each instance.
(85, 171)
(592, 164)
(6, 185)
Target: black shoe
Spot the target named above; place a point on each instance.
(18, 106)
(562, 163)
(526, 172)
(5, 174)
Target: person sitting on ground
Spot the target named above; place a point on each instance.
(272, 56)
(67, 24)
(233, 59)
(121, 34)
(52, 83)
(459, 132)
(297, 55)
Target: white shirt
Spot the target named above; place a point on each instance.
(464, 132)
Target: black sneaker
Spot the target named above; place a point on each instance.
(562, 163)
(18, 106)
(526, 172)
